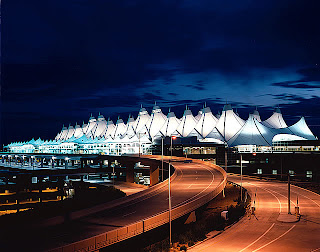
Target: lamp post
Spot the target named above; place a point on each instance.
(172, 137)
(241, 176)
(162, 158)
(169, 205)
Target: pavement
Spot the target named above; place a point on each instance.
(271, 228)
(126, 187)
(192, 180)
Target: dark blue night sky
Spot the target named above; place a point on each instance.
(63, 59)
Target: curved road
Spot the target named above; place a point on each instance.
(264, 232)
(192, 180)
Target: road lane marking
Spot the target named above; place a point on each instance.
(128, 214)
(258, 238)
(270, 193)
(275, 239)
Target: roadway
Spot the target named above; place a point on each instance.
(263, 232)
(192, 181)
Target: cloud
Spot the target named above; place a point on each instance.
(310, 79)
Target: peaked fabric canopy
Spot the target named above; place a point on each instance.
(206, 122)
(109, 129)
(119, 130)
(156, 121)
(187, 124)
(275, 121)
(99, 127)
(91, 125)
(301, 129)
(252, 133)
(229, 123)
(141, 121)
(169, 127)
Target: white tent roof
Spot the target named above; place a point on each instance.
(301, 129)
(170, 125)
(156, 121)
(229, 123)
(109, 129)
(100, 126)
(70, 132)
(91, 125)
(141, 121)
(78, 131)
(252, 133)
(214, 136)
(275, 121)
(63, 134)
(206, 122)
(58, 135)
(198, 116)
(187, 123)
(286, 137)
(119, 130)
(256, 115)
(129, 133)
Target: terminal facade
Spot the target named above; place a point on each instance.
(200, 134)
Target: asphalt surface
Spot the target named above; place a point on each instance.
(192, 180)
(263, 232)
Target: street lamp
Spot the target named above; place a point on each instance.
(169, 204)
(241, 176)
(174, 138)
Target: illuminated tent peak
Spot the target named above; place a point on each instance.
(156, 121)
(91, 125)
(198, 116)
(229, 123)
(187, 124)
(252, 133)
(78, 131)
(70, 132)
(129, 133)
(256, 115)
(170, 125)
(63, 134)
(109, 129)
(206, 122)
(141, 121)
(275, 121)
(301, 129)
(99, 127)
(119, 130)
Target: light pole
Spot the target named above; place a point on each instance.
(162, 158)
(289, 212)
(169, 205)
(241, 176)
(172, 137)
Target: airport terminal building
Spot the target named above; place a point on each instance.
(194, 134)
